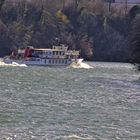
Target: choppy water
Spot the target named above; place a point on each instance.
(38, 103)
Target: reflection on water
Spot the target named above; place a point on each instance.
(39, 103)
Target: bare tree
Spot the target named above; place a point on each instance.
(110, 1)
(126, 6)
(1, 3)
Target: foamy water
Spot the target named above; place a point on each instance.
(14, 64)
(81, 65)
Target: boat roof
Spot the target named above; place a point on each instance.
(41, 49)
(46, 49)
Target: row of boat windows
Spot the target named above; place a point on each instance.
(50, 53)
(58, 53)
(58, 61)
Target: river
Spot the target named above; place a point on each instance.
(101, 103)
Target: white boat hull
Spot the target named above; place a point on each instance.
(43, 62)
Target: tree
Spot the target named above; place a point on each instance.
(85, 25)
(134, 11)
(5, 41)
(86, 47)
(135, 43)
(20, 34)
(1, 3)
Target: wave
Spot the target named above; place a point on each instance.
(14, 64)
(80, 65)
(80, 137)
(68, 137)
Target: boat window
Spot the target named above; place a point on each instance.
(59, 61)
(49, 61)
(62, 61)
(52, 61)
(62, 53)
(65, 61)
(56, 61)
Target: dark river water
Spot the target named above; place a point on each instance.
(38, 103)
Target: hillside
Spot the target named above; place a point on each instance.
(87, 26)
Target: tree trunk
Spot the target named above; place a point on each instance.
(1, 4)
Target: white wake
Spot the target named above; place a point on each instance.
(14, 64)
(80, 65)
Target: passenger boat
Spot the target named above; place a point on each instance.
(55, 56)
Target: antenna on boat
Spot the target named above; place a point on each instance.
(57, 41)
